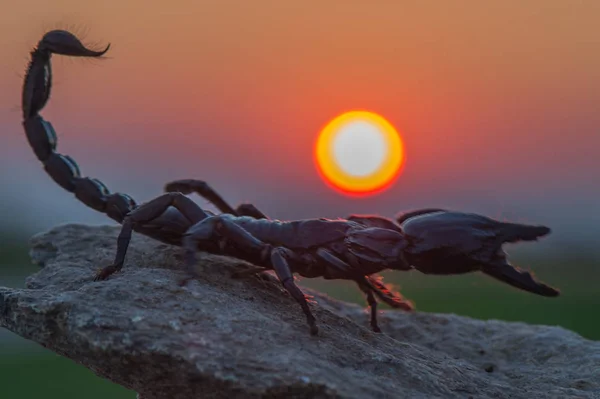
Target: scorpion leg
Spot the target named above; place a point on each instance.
(200, 187)
(346, 270)
(387, 295)
(373, 304)
(282, 269)
(220, 228)
(242, 239)
(247, 209)
(368, 285)
(146, 213)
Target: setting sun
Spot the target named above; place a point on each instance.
(359, 153)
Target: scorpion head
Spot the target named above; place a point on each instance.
(380, 246)
(65, 43)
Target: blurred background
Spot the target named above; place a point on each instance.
(497, 104)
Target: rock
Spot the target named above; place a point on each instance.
(221, 337)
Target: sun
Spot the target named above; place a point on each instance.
(359, 153)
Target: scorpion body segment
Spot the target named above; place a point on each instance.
(295, 234)
(306, 241)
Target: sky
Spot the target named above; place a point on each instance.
(496, 102)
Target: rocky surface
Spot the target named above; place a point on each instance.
(221, 337)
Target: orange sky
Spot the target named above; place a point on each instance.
(491, 97)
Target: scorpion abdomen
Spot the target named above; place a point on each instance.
(297, 234)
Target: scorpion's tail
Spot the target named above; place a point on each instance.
(40, 133)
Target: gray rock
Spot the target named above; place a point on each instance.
(221, 337)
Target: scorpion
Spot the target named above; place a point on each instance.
(433, 241)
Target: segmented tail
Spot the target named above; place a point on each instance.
(42, 137)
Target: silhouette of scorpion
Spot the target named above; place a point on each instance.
(432, 241)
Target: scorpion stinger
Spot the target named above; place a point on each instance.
(63, 42)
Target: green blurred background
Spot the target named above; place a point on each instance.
(28, 370)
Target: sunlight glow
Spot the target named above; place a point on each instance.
(359, 153)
